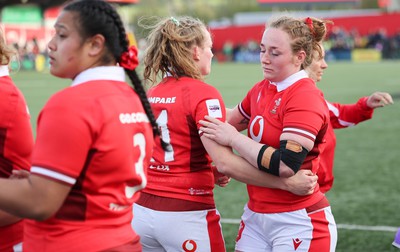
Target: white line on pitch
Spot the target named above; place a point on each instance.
(339, 226)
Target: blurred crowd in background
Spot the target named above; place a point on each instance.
(340, 45)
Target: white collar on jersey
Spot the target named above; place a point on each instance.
(4, 71)
(114, 73)
(290, 80)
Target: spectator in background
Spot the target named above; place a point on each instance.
(16, 144)
(228, 50)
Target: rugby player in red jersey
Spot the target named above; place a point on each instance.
(16, 144)
(94, 141)
(287, 118)
(176, 211)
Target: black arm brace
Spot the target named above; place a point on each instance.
(291, 153)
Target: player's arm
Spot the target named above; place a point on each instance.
(234, 166)
(35, 197)
(6, 218)
(236, 119)
(378, 100)
(284, 161)
(344, 115)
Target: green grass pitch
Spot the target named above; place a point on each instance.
(366, 192)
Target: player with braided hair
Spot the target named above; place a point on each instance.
(93, 144)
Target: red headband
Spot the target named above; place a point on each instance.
(129, 59)
(310, 25)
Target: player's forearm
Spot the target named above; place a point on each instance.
(238, 168)
(16, 197)
(246, 147)
(32, 197)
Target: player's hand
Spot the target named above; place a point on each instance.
(19, 174)
(379, 99)
(302, 183)
(220, 132)
(220, 179)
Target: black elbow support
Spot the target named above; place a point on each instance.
(292, 154)
(268, 160)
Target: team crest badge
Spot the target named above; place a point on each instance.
(277, 103)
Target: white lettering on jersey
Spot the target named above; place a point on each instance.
(159, 167)
(194, 191)
(214, 108)
(133, 118)
(162, 99)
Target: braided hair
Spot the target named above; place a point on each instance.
(99, 17)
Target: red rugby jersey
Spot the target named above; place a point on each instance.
(184, 173)
(16, 145)
(299, 108)
(341, 116)
(95, 137)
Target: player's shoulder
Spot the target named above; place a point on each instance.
(261, 85)
(305, 83)
(9, 92)
(202, 89)
(71, 97)
(305, 86)
(199, 84)
(7, 85)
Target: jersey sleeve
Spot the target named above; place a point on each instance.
(346, 115)
(210, 103)
(16, 137)
(245, 105)
(306, 112)
(64, 137)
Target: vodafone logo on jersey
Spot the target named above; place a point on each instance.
(189, 246)
(256, 128)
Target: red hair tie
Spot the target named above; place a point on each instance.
(129, 59)
(310, 25)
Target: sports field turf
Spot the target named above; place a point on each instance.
(365, 198)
